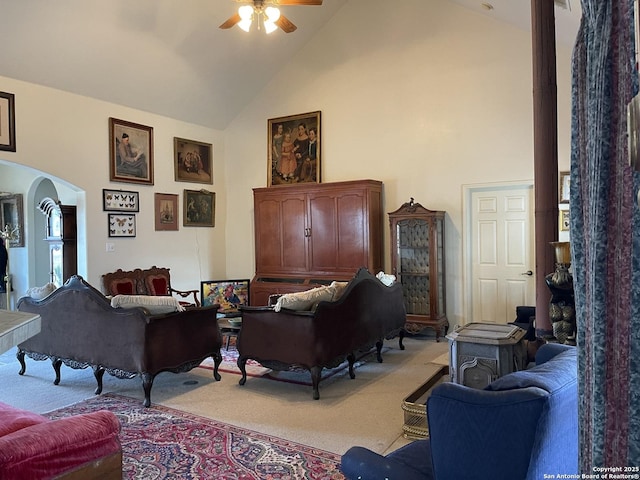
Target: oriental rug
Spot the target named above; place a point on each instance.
(162, 443)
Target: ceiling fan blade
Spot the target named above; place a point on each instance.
(231, 21)
(297, 2)
(285, 24)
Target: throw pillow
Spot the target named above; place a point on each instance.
(338, 289)
(156, 305)
(38, 293)
(306, 300)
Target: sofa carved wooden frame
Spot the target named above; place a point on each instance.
(151, 281)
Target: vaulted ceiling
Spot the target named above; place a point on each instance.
(168, 56)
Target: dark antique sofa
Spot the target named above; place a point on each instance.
(522, 426)
(366, 313)
(80, 328)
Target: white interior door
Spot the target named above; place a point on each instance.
(501, 252)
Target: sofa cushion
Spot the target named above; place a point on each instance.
(549, 376)
(13, 419)
(38, 293)
(306, 300)
(156, 305)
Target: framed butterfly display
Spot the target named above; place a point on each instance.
(122, 225)
(120, 201)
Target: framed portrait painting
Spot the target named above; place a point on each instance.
(7, 122)
(192, 161)
(130, 152)
(293, 151)
(199, 208)
(166, 211)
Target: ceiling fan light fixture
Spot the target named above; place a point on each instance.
(272, 13)
(245, 12)
(269, 27)
(245, 24)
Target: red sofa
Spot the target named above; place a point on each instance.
(79, 447)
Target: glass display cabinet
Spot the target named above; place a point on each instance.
(417, 261)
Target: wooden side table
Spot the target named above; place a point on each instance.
(228, 329)
(16, 327)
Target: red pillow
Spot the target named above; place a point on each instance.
(122, 287)
(157, 285)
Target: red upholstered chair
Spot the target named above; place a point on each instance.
(157, 281)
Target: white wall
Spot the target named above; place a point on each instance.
(423, 95)
(66, 136)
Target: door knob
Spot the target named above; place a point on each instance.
(528, 273)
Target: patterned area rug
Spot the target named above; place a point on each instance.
(161, 443)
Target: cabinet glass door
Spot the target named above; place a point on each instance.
(413, 264)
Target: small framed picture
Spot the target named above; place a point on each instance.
(122, 225)
(564, 220)
(199, 208)
(166, 211)
(193, 161)
(564, 181)
(7, 122)
(293, 149)
(229, 294)
(130, 152)
(120, 201)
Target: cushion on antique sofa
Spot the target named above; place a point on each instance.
(309, 299)
(155, 305)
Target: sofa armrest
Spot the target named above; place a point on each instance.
(48, 449)
(498, 426)
(363, 464)
(185, 294)
(549, 350)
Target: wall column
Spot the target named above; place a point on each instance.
(545, 151)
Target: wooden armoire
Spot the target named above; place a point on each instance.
(310, 234)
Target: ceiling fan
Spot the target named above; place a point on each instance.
(267, 9)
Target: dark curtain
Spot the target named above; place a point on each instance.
(605, 228)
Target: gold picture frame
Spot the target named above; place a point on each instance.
(564, 191)
(192, 161)
(130, 152)
(199, 208)
(564, 219)
(294, 149)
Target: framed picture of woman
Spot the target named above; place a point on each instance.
(130, 152)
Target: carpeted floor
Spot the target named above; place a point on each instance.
(162, 443)
(363, 411)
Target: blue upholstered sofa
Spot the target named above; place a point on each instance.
(523, 425)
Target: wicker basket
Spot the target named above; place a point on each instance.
(415, 408)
